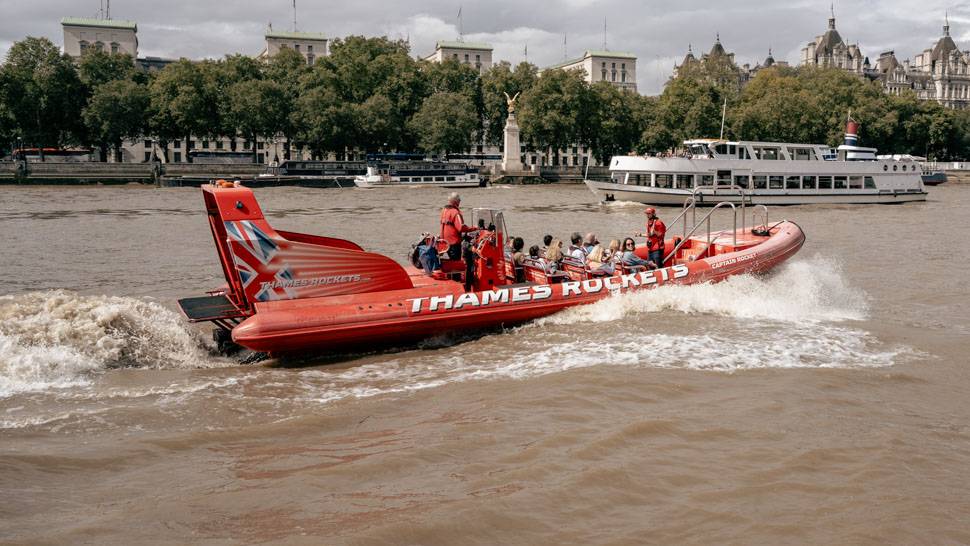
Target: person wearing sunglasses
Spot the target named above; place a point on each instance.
(630, 258)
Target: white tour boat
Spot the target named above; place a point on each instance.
(771, 173)
(419, 173)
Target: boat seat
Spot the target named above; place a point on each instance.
(534, 272)
(575, 269)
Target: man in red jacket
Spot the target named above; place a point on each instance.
(656, 230)
(453, 225)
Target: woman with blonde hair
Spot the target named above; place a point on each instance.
(614, 251)
(553, 258)
(597, 263)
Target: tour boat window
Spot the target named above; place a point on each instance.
(720, 149)
(732, 149)
(801, 154)
(792, 182)
(840, 182)
(776, 182)
(825, 182)
(741, 180)
(855, 182)
(870, 184)
(698, 150)
(706, 180)
(743, 153)
(619, 178)
(724, 178)
(760, 181)
(769, 153)
(895, 167)
(757, 152)
(808, 182)
(685, 181)
(449, 178)
(427, 179)
(904, 168)
(884, 167)
(439, 179)
(665, 180)
(405, 179)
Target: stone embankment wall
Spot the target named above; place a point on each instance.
(114, 173)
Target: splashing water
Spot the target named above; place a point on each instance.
(61, 339)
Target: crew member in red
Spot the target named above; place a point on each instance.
(453, 225)
(656, 231)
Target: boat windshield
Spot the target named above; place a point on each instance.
(487, 218)
(699, 149)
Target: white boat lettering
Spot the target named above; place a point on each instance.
(592, 286)
(738, 259)
(542, 292)
(448, 302)
(468, 298)
(316, 281)
(494, 295)
(520, 294)
(571, 287)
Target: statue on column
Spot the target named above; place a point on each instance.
(511, 101)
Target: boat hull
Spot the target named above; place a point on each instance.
(611, 191)
(367, 321)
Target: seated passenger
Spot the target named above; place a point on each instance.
(546, 241)
(534, 252)
(631, 259)
(596, 262)
(552, 261)
(614, 252)
(518, 258)
(590, 242)
(576, 248)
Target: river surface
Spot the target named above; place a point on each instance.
(823, 403)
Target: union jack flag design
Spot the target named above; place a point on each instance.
(253, 254)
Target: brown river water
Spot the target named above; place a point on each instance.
(825, 402)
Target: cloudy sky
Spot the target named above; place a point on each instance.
(657, 32)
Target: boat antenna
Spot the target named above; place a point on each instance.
(723, 112)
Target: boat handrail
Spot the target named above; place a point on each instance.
(759, 211)
(708, 218)
(716, 187)
(688, 205)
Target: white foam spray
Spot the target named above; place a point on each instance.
(58, 338)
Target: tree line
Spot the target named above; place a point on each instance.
(370, 95)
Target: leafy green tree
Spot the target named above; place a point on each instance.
(258, 108)
(612, 128)
(324, 122)
(287, 68)
(42, 93)
(117, 112)
(445, 122)
(549, 112)
(686, 109)
(185, 101)
(96, 67)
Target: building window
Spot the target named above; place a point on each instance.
(455, 56)
(614, 66)
(205, 144)
(466, 57)
(178, 144)
(623, 66)
(623, 77)
(148, 143)
(604, 75)
(191, 144)
(604, 64)
(478, 58)
(614, 76)
(296, 47)
(114, 47)
(148, 157)
(246, 145)
(218, 145)
(177, 156)
(99, 46)
(309, 49)
(259, 146)
(309, 60)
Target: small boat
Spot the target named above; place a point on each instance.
(419, 173)
(771, 173)
(933, 178)
(295, 293)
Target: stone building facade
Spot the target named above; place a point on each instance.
(477, 56)
(615, 67)
(312, 46)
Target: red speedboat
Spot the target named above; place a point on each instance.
(290, 292)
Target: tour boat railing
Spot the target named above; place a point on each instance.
(708, 218)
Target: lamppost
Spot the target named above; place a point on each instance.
(23, 156)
